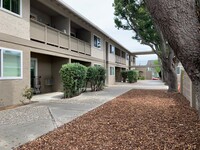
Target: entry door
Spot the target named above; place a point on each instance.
(34, 70)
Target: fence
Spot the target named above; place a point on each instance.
(187, 88)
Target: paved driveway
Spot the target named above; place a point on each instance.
(23, 124)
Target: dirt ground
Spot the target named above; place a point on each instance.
(139, 119)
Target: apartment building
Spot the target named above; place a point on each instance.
(38, 36)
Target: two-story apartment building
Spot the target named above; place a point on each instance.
(38, 36)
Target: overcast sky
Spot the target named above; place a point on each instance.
(101, 13)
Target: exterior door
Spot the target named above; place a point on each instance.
(34, 71)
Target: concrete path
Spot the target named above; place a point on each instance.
(26, 123)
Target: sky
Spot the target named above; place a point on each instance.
(101, 13)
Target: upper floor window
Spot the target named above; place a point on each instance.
(127, 56)
(11, 5)
(97, 42)
(112, 49)
(10, 64)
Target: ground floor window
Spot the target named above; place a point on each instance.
(11, 64)
(112, 71)
(97, 65)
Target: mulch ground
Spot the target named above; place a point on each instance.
(139, 119)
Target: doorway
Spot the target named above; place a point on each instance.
(34, 70)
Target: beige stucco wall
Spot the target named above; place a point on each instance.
(111, 57)
(147, 74)
(56, 66)
(97, 52)
(111, 78)
(10, 89)
(16, 25)
(127, 62)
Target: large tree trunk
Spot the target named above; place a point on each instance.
(171, 75)
(179, 23)
(172, 81)
(164, 76)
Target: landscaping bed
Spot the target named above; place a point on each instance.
(139, 119)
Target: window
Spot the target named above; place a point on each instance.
(127, 56)
(112, 71)
(97, 42)
(96, 65)
(11, 64)
(12, 5)
(112, 49)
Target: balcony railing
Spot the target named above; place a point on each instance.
(119, 59)
(48, 35)
(80, 46)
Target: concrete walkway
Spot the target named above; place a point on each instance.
(26, 123)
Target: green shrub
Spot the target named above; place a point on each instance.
(132, 76)
(100, 78)
(73, 77)
(27, 93)
(91, 78)
(124, 75)
(96, 77)
(141, 78)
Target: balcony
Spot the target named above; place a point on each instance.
(45, 34)
(120, 60)
(80, 46)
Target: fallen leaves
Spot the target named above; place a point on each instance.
(139, 119)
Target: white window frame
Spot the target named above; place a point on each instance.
(10, 12)
(21, 54)
(113, 71)
(94, 42)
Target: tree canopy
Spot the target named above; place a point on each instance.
(132, 15)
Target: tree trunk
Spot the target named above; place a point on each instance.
(171, 75)
(165, 74)
(172, 81)
(178, 21)
(180, 24)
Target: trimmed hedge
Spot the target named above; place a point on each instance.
(124, 75)
(73, 77)
(76, 77)
(100, 78)
(91, 78)
(96, 76)
(132, 75)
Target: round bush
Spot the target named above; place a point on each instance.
(73, 77)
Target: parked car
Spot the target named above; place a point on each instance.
(155, 78)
